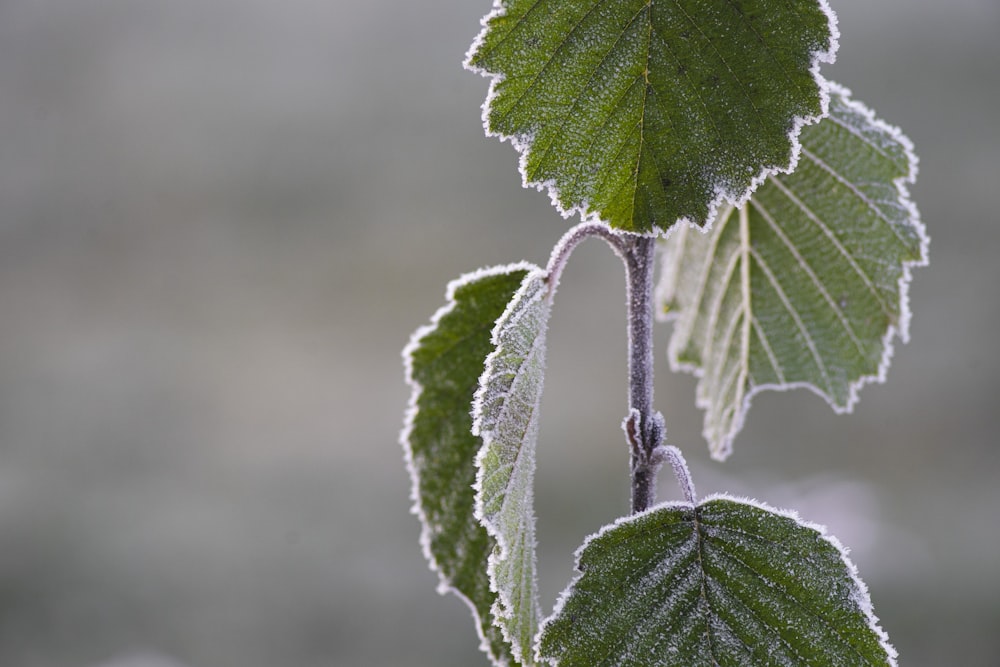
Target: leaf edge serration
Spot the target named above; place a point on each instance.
(901, 329)
(522, 143)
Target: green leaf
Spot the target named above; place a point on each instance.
(726, 582)
(805, 285)
(443, 363)
(645, 112)
(505, 415)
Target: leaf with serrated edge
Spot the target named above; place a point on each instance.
(645, 112)
(727, 582)
(806, 284)
(443, 363)
(505, 415)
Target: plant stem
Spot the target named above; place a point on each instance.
(643, 427)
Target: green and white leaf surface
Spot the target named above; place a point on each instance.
(805, 285)
(645, 112)
(723, 583)
(444, 361)
(505, 416)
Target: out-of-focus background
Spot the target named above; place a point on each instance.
(220, 220)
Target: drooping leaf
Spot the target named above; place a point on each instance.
(804, 285)
(644, 112)
(505, 415)
(443, 363)
(727, 582)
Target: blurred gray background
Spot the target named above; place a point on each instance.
(220, 220)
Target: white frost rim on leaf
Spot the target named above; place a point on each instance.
(902, 329)
(860, 596)
(522, 142)
(518, 306)
(444, 583)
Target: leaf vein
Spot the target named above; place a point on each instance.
(828, 233)
(590, 80)
(807, 337)
(778, 587)
(857, 192)
(722, 59)
(555, 52)
(767, 349)
(804, 264)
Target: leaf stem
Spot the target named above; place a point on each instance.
(571, 239)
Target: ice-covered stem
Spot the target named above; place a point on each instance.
(643, 427)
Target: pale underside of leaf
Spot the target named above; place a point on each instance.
(505, 416)
(806, 284)
(727, 582)
(641, 113)
(444, 361)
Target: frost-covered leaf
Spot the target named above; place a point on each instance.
(505, 415)
(805, 285)
(726, 582)
(443, 363)
(644, 112)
